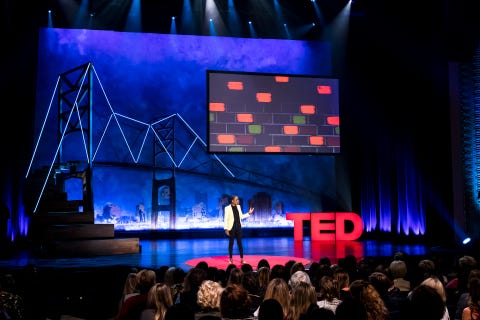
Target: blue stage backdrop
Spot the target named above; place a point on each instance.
(150, 163)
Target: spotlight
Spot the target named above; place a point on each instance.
(466, 240)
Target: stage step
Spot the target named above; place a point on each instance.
(66, 228)
(54, 218)
(92, 247)
(78, 231)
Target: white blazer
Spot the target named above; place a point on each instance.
(228, 219)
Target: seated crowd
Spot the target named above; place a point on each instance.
(367, 289)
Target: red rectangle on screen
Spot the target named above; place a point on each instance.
(324, 90)
(216, 106)
(235, 85)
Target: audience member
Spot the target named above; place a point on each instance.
(250, 283)
(12, 306)
(235, 302)
(263, 276)
(191, 284)
(174, 278)
(302, 297)
(435, 283)
(391, 295)
(328, 294)
(235, 277)
(263, 263)
(297, 266)
(246, 267)
(424, 302)
(129, 288)
(459, 284)
(472, 310)
(279, 271)
(462, 301)
(342, 283)
(297, 278)
(398, 270)
(278, 289)
(208, 299)
(425, 269)
(366, 293)
(270, 309)
(134, 305)
(202, 265)
(159, 299)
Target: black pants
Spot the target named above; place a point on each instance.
(235, 233)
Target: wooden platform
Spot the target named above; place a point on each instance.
(60, 227)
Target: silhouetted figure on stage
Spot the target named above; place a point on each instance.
(233, 226)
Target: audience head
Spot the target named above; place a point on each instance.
(208, 295)
(302, 296)
(381, 282)
(325, 260)
(131, 282)
(426, 268)
(263, 263)
(278, 289)
(327, 289)
(424, 302)
(250, 282)
(236, 276)
(202, 265)
(279, 271)
(168, 277)
(194, 279)
(366, 293)
(298, 277)
(146, 278)
(297, 266)
(246, 267)
(289, 264)
(235, 302)
(474, 291)
(160, 299)
(270, 309)
(466, 263)
(263, 275)
(341, 278)
(398, 269)
(436, 284)
(400, 255)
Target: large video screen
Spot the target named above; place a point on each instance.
(151, 166)
(272, 113)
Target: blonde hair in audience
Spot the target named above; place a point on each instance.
(278, 289)
(209, 293)
(159, 298)
(302, 297)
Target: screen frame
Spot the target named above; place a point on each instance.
(322, 150)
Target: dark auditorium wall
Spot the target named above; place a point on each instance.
(396, 73)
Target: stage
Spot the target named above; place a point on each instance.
(185, 253)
